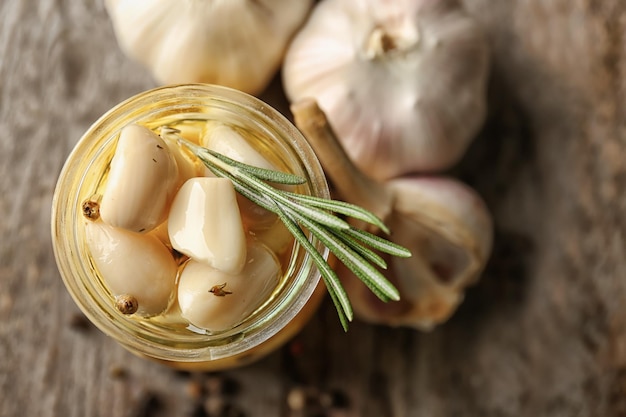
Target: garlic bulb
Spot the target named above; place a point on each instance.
(214, 300)
(204, 223)
(133, 264)
(443, 222)
(141, 183)
(236, 43)
(403, 83)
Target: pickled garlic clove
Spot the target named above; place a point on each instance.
(142, 181)
(133, 264)
(214, 300)
(227, 141)
(188, 165)
(204, 223)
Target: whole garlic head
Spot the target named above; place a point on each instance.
(403, 83)
(235, 43)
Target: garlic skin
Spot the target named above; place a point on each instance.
(455, 212)
(403, 83)
(142, 181)
(448, 229)
(214, 300)
(133, 264)
(235, 43)
(204, 223)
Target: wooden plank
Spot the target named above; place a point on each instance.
(543, 334)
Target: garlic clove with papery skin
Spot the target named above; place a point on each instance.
(236, 43)
(133, 264)
(403, 83)
(141, 182)
(457, 214)
(448, 229)
(204, 223)
(444, 223)
(214, 300)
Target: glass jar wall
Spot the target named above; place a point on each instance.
(167, 337)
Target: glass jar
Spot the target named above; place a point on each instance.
(82, 177)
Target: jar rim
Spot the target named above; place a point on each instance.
(75, 269)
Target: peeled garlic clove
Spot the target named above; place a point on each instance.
(204, 223)
(133, 264)
(229, 142)
(141, 182)
(403, 83)
(449, 232)
(188, 165)
(236, 43)
(214, 300)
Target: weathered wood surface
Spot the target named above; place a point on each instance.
(543, 334)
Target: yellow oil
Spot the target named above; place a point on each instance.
(193, 127)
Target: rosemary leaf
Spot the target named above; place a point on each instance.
(362, 250)
(261, 187)
(318, 215)
(378, 243)
(261, 173)
(375, 281)
(341, 207)
(331, 280)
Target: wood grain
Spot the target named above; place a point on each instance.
(543, 333)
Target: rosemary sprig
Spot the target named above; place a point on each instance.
(353, 247)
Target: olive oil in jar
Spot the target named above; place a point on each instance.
(273, 234)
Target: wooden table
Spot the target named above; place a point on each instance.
(542, 334)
